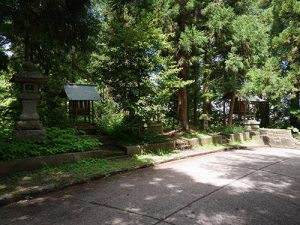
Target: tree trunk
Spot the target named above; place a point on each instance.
(265, 114)
(195, 107)
(181, 59)
(205, 100)
(182, 102)
(224, 112)
(230, 115)
(27, 49)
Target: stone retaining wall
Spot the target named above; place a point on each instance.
(33, 163)
(277, 137)
(276, 132)
(215, 139)
(137, 149)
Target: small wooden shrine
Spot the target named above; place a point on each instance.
(81, 101)
(245, 108)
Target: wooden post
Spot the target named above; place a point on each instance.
(224, 112)
(89, 110)
(92, 111)
(254, 110)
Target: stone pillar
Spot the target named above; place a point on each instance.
(29, 126)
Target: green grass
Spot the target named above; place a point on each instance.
(233, 129)
(196, 134)
(57, 141)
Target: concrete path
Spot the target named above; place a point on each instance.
(257, 186)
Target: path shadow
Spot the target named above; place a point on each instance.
(185, 192)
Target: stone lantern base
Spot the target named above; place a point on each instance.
(251, 125)
(29, 134)
(29, 129)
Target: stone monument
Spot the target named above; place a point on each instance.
(30, 79)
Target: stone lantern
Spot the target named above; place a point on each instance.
(29, 126)
(204, 122)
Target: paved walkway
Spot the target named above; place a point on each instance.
(258, 186)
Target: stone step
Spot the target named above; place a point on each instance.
(278, 141)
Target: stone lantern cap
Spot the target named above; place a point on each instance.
(29, 73)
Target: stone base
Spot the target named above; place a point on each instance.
(251, 125)
(29, 134)
(29, 125)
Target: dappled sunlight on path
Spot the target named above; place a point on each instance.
(238, 187)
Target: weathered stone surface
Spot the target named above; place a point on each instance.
(29, 126)
(206, 140)
(251, 125)
(246, 136)
(193, 141)
(239, 137)
(276, 132)
(278, 141)
(217, 139)
(29, 134)
(277, 137)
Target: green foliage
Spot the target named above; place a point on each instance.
(57, 141)
(268, 82)
(128, 52)
(295, 113)
(286, 36)
(196, 134)
(233, 129)
(8, 104)
(294, 130)
(163, 86)
(109, 116)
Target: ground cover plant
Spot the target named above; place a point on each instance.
(57, 141)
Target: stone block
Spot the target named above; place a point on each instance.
(29, 125)
(239, 137)
(205, 140)
(131, 150)
(193, 141)
(217, 139)
(276, 132)
(246, 136)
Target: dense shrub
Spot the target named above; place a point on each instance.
(233, 129)
(109, 117)
(57, 141)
